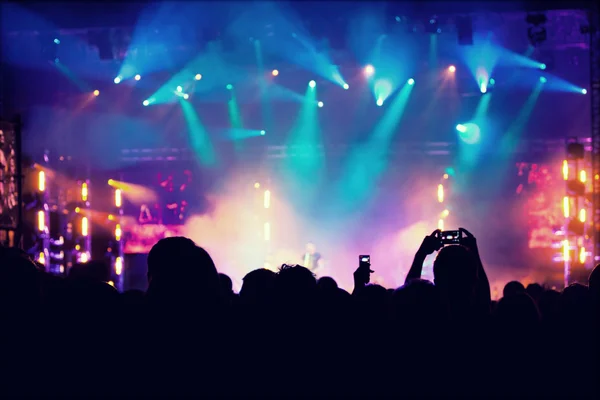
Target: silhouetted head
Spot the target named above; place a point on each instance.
(177, 268)
(512, 288)
(295, 283)
(311, 248)
(549, 306)
(417, 301)
(455, 273)
(20, 281)
(226, 284)
(535, 290)
(575, 302)
(327, 284)
(517, 311)
(594, 282)
(258, 286)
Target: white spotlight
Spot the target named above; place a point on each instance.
(369, 70)
(137, 77)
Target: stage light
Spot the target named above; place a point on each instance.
(565, 170)
(263, 133)
(483, 88)
(542, 66)
(582, 255)
(84, 191)
(452, 69)
(146, 103)
(441, 224)
(96, 93)
(229, 87)
(118, 232)
(118, 266)
(84, 226)
(379, 102)
(137, 77)
(445, 213)
(492, 82)
(320, 104)
(274, 72)
(583, 91)
(411, 81)
(582, 215)
(440, 193)
(179, 89)
(582, 176)
(117, 80)
(312, 84)
(346, 86)
(566, 207)
(198, 77)
(186, 96)
(118, 198)
(369, 70)
(267, 199)
(41, 221)
(56, 41)
(42, 181)
(461, 128)
(543, 79)
(257, 185)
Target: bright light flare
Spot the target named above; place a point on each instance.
(379, 102)
(275, 72)
(137, 77)
(369, 70)
(312, 84)
(583, 91)
(542, 66)
(440, 193)
(583, 176)
(146, 103)
(41, 220)
(118, 266)
(179, 89)
(118, 232)
(42, 181)
(198, 77)
(452, 69)
(186, 96)
(96, 93)
(566, 206)
(582, 255)
(582, 215)
(85, 227)
(411, 81)
(565, 170)
(118, 198)
(263, 133)
(320, 104)
(461, 128)
(84, 191)
(117, 80)
(346, 86)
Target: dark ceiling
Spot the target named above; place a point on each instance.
(81, 15)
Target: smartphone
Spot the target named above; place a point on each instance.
(364, 259)
(450, 237)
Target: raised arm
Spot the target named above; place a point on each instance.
(484, 292)
(430, 244)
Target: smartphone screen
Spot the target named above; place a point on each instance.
(364, 259)
(450, 237)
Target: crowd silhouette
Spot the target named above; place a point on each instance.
(289, 334)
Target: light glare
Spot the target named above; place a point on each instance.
(411, 81)
(312, 84)
(452, 68)
(320, 104)
(198, 77)
(96, 93)
(369, 70)
(137, 77)
(117, 80)
(274, 72)
(179, 89)
(346, 86)
(186, 96)
(542, 66)
(583, 91)
(379, 102)
(146, 103)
